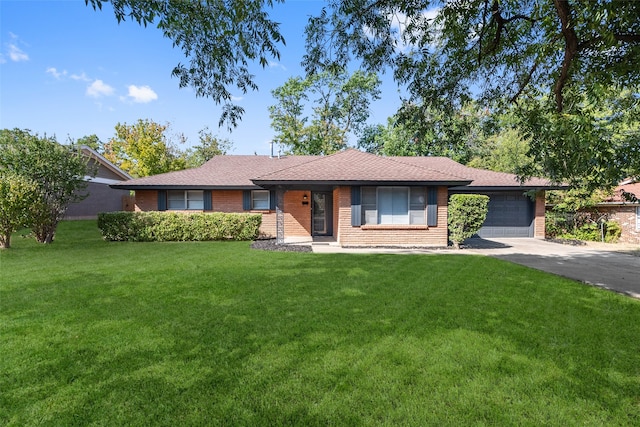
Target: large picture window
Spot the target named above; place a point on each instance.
(260, 200)
(393, 205)
(185, 200)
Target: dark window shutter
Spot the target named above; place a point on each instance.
(356, 207)
(162, 200)
(432, 206)
(272, 200)
(246, 200)
(207, 200)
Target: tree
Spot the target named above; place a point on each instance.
(288, 115)
(340, 107)
(143, 149)
(220, 39)
(546, 57)
(414, 131)
(58, 172)
(594, 145)
(91, 141)
(18, 196)
(505, 151)
(210, 146)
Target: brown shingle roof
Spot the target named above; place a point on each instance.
(480, 177)
(353, 166)
(350, 166)
(219, 172)
(619, 191)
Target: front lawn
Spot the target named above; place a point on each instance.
(214, 333)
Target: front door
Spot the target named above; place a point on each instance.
(322, 214)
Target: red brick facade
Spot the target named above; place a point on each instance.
(297, 219)
(626, 216)
(389, 235)
(146, 200)
(539, 219)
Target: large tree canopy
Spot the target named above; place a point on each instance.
(500, 49)
(562, 62)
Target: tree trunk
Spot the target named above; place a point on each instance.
(5, 241)
(45, 233)
(48, 238)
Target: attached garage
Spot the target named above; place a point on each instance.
(510, 214)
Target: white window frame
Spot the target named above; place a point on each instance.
(192, 200)
(638, 218)
(259, 203)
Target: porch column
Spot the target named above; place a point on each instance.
(279, 215)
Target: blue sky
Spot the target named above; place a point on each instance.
(69, 71)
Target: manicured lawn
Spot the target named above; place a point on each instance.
(98, 333)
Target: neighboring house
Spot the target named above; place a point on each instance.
(626, 213)
(357, 198)
(101, 198)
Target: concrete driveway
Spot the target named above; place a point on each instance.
(614, 267)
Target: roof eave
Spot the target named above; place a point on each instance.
(507, 187)
(298, 183)
(125, 186)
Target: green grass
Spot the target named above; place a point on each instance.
(214, 333)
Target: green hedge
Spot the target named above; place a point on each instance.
(467, 213)
(172, 226)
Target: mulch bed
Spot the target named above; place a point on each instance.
(270, 245)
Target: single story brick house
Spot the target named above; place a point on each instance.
(355, 198)
(101, 198)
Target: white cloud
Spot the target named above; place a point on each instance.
(142, 94)
(55, 73)
(81, 77)
(15, 53)
(99, 88)
(274, 64)
(236, 98)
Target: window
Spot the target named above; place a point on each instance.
(185, 200)
(393, 205)
(260, 199)
(638, 218)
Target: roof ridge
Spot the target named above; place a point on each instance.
(313, 159)
(398, 159)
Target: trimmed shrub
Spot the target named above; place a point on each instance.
(173, 226)
(467, 213)
(613, 231)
